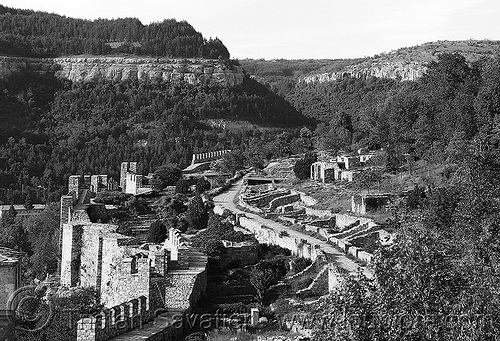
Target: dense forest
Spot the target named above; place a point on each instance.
(453, 103)
(38, 34)
(53, 128)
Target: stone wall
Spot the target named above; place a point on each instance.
(266, 235)
(310, 271)
(283, 200)
(306, 199)
(124, 277)
(266, 198)
(319, 286)
(114, 321)
(319, 213)
(208, 156)
(343, 220)
(244, 255)
(83, 69)
(184, 289)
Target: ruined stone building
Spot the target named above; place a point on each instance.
(132, 279)
(341, 168)
(131, 182)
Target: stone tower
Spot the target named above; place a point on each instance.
(126, 167)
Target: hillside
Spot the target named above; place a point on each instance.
(82, 96)
(407, 63)
(29, 33)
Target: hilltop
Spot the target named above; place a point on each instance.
(406, 63)
(27, 33)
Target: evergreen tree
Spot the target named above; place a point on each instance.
(28, 204)
(196, 214)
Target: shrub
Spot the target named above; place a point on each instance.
(182, 186)
(157, 232)
(111, 197)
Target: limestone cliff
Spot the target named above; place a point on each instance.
(78, 69)
(394, 70)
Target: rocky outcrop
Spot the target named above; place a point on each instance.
(82, 69)
(394, 70)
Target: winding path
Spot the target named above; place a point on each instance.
(227, 200)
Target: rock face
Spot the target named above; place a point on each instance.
(394, 70)
(82, 69)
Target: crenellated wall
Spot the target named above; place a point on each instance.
(83, 69)
(114, 321)
(208, 156)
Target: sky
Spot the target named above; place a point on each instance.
(293, 29)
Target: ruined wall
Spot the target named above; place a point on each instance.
(283, 200)
(343, 220)
(266, 198)
(83, 69)
(319, 213)
(309, 272)
(123, 277)
(183, 289)
(114, 321)
(266, 235)
(319, 286)
(245, 255)
(70, 254)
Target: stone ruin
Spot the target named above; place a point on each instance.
(131, 182)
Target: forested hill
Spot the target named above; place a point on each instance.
(39, 34)
(52, 127)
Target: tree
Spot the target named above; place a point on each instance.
(202, 185)
(43, 234)
(135, 206)
(166, 175)
(231, 162)
(157, 232)
(261, 279)
(12, 232)
(368, 178)
(196, 214)
(182, 186)
(28, 204)
(302, 168)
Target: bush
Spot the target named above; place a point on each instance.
(111, 197)
(166, 175)
(302, 168)
(196, 214)
(182, 186)
(202, 185)
(157, 232)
